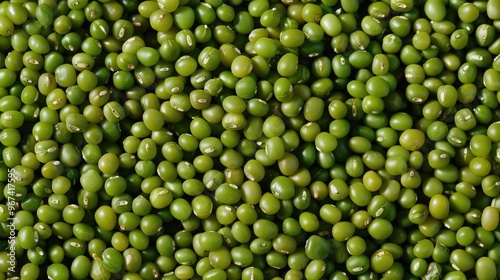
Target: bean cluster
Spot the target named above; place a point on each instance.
(250, 139)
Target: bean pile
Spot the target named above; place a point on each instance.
(250, 139)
